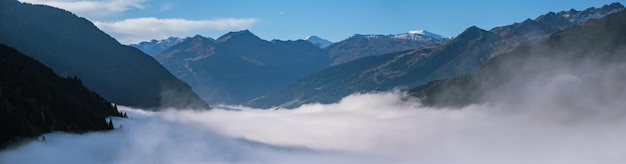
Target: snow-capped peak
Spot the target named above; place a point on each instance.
(417, 32)
(419, 35)
(428, 34)
(317, 41)
(311, 37)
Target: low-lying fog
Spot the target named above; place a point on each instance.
(562, 118)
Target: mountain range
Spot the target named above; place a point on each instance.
(154, 46)
(381, 73)
(463, 55)
(239, 65)
(73, 46)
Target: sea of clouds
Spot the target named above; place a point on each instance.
(573, 116)
(362, 128)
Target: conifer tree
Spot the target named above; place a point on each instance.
(110, 123)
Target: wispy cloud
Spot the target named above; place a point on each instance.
(93, 9)
(132, 30)
(165, 7)
(141, 29)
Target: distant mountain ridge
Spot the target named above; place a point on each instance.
(358, 46)
(462, 55)
(73, 46)
(420, 35)
(354, 47)
(154, 46)
(239, 65)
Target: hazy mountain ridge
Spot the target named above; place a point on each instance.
(591, 48)
(73, 46)
(239, 65)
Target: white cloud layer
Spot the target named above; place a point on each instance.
(93, 9)
(365, 128)
(141, 29)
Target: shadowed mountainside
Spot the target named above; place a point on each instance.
(34, 101)
(239, 66)
(73, 46)
(592, 47)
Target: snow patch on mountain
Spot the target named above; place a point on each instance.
(580, 17)
(420, 35)
(427, 33)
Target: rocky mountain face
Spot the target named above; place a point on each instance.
(73, 46)
(530, 32)
(239, 65)
(565, 19)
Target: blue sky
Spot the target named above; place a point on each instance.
(131, 21)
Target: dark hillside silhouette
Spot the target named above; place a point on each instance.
(34, 100)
